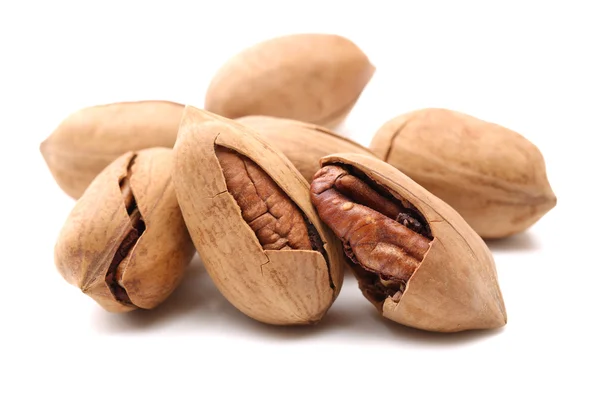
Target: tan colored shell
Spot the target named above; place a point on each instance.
(302, 143)
(494, 177)
(90, 139)
(315, 78)
(99, 222)
(277, 287)
(455, 287)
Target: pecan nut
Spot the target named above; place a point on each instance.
(315, 78)
(414, 257)
(90, 139)
(380, 235)
(249, 214)
(275, 220)
(491, 175)
(125, 243)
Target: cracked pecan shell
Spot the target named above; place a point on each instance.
(415, 258)
(249, 214)
(125, 243)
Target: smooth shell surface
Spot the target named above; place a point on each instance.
(302, 143)
(273, 286)
(494, 177)
(314, 78)
(456, 286)
(99, 223)
(90, 139)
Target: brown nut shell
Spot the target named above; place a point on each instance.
(90, 139)
(302, 143)
(494, 177)
(280, 287)
(125, 243)
(315, 78)
(453, 285)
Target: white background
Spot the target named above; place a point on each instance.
(532, 67)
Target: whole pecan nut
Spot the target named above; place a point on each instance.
(493, 176)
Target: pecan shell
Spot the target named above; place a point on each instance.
(90, 139)
(315, 78)
(415, 258)
(304, 144)
(125, 243)
(494, 177)
(249, 213)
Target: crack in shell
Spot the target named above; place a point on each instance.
(277, 222)
(385, 238)
(138, 226)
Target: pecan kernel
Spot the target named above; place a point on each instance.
(381, 236)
